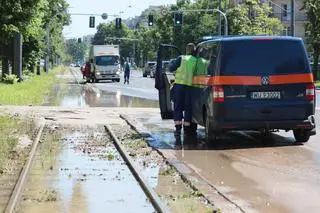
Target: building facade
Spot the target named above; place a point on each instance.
(281, 9)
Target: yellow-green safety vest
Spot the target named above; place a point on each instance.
(186, 70)
(202, 67)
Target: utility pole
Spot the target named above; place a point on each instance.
(46, 60)
(292, 18)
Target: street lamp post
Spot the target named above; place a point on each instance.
(219, 18)
(134, 31)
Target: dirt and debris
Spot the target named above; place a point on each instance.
(167, 182)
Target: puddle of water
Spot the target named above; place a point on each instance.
(85, 180)
(83, 96)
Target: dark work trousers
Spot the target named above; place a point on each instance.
(126, 76)
(182, 100)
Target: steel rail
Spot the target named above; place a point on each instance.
(150, 193)
(15, 196)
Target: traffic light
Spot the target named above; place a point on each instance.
(178, 18)
(118, 23)
(150, 20)
(92, 22)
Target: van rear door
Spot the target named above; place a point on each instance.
(273, 78)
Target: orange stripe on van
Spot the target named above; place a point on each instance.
(252, 80)
(291, 79)
(235, 80)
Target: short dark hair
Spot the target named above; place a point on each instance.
(190, 48)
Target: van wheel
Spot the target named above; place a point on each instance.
(144, 75)
(210, 135)
(301, 135)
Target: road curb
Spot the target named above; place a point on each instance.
(195, 180)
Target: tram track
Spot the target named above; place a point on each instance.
(18, 193)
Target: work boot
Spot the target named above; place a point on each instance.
(178, 130)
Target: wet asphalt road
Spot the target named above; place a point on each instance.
(268, 175)
(139, 93)
(139, 86)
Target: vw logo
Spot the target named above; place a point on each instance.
(265, 80)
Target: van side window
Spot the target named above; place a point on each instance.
(203, 56)
(213, 46)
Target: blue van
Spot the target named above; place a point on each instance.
(254, 83)
(261, 83)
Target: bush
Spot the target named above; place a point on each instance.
(28, 73)
(10, 79)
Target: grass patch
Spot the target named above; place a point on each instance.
(168, 171)
(109, 156)
(43, 196)
(30, 92)
(137, 144)
(7, 140)
(11, 128)
(318, 84)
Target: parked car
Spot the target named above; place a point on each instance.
(165, 66)
(147, 68)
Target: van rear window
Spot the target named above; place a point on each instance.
(263, 57)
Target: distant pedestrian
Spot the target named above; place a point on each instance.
(126, 72)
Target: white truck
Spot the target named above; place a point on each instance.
(106, 62)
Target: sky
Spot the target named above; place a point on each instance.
(125, 8)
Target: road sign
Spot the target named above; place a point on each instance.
(104, 16)
(164, 11)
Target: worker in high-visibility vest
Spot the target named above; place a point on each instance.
(182, 90)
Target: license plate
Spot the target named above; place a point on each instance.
(265, 95)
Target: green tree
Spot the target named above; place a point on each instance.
(75, 49)
(252, 18)
(15, 16)
(31, 18)
(312, 8)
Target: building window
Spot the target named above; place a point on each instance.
(287, 31)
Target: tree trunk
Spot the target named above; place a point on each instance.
(38, 67)
(315, 62)
(5, 66)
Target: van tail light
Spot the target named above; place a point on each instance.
(310, 92)
(218, 94)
